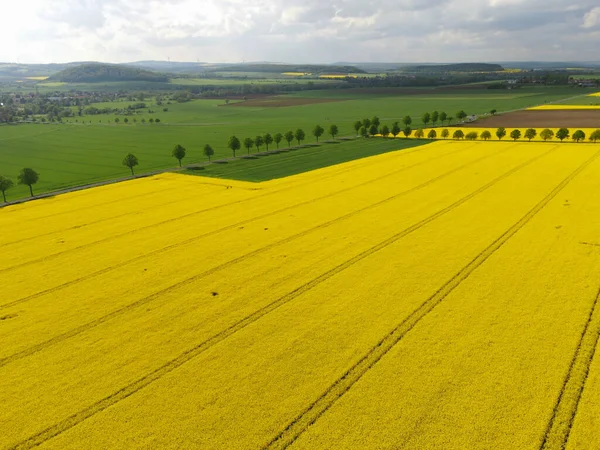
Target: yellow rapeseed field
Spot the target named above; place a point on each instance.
(437, 297)
(562, 107)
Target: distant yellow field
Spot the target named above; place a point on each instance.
(562, 107)
(37, 78)
(441, 297)
(337, 77)
(595, 94)
(297, 74)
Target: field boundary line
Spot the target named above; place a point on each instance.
(149, 298)
(111, 400)
(343, 384)
(151, 172)
(565, 409)
(219, 230)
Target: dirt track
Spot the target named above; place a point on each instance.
(542, 119)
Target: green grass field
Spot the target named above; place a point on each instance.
(77, 153)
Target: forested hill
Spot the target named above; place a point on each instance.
(280, 68)
(96, 72)
(461, 67)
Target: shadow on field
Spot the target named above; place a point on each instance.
(220, 162)
(332, 142)
(196, 168)
(248, 157)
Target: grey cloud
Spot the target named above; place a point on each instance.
(313, 30)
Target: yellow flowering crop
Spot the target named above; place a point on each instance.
(426, 298)
(562, 107)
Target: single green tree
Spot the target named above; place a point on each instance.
(419, 133)
(458, 134)
(333, 131)
(406, 120)
(500, 133)
(130, 161)
(299, 135)
(449, 119)
(407, 131)
(485, 135)
(530, 133)
(151, 120)
(117, 120)
(268, 139)
(5, 185)
(234, 144)
(373, 129)
(515, 134)
(125, 120)
(179, 153)
(562, 134)
(546, 134)
(461, 115)
(493, 112)
(318, 131)
(432, 134)
(385, 131)
(579, 136)
(258, 141)
(594, 136)
(366, 123)
(395, 129)
(471, 135)
(375, 121)
(357, 126)
(248, 144)
(278, 138)
(435, 116)
(443, 117)
(28, 177)
(208, 151)
(363, 132)
(143, 120)
(289, 137)
(445, 133)
(426, 118)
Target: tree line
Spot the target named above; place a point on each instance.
(529, 134)
(372, 127)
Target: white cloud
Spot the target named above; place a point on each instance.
(592, 18)
(298, 30)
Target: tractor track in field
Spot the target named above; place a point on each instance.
(95, 222)
(198, 237)
(145, 300)
(565, 409)
(343, 384)
(125, 392)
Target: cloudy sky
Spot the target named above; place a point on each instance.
(320, 31)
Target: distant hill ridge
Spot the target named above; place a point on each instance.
(460, 67)
(100, 72)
